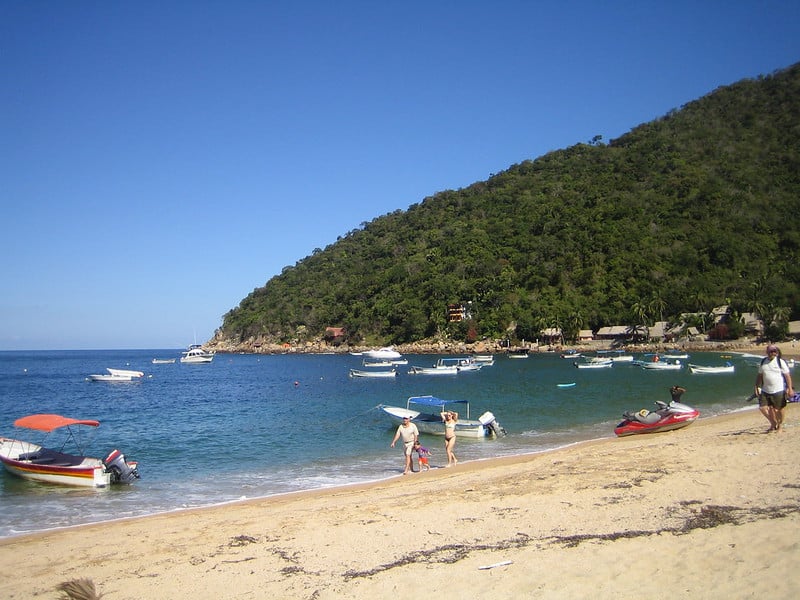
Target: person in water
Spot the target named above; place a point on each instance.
(676, 392)
(450, 418)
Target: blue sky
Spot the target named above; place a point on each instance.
(160, 160)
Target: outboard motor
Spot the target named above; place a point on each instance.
(121, 471)
(487, 420)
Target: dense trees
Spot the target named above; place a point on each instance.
(695, 209)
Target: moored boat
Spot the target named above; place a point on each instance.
(701, 370)
(386, 353)
(117, 375)
(662, 365)
(595, 364)
(373, 374)
(425, 412)
(39, 463)
(196, 355)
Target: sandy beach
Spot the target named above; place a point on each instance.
(709, 511)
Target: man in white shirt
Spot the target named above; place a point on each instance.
(773, 385)
(409, 432)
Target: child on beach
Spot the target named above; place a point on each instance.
(422, 453)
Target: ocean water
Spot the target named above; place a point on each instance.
(248, 426)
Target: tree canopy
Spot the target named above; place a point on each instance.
(695, 209)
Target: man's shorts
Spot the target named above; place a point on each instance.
(776, 400)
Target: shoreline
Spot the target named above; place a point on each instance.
(721, 494)
(789, 348)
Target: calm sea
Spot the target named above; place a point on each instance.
(249, 426)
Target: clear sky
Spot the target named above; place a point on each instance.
(160, 160)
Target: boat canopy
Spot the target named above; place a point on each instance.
(50, 422)
(433, 401)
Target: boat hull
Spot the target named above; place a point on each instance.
(662, 366)
(113, 378)
(90, 472)
(700, 370)
(433, 424)
(373, 374)
(433, 370)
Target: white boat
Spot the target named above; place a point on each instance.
(425, 413)
(618, 356)
(38, 463)
(434, 370)
(676, 354)
(387, 353)
(117, 375)
(486, 360)
(376, 364)
(520, 353)
(470, 364)
(373, 374)
(595, 364)
(662, 365)
(125, 372)
(196, 355)
(163, 361)
(698, 369)
(571, 354)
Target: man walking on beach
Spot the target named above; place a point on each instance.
(409, 432)
(775, 383)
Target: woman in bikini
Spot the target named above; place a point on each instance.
(450, 419)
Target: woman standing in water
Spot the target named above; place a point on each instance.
(450, 418)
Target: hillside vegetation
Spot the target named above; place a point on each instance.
(696, 209)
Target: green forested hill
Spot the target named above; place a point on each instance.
(696, 209)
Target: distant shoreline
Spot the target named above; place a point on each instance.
(789, 349)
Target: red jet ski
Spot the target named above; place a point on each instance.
(666, 417)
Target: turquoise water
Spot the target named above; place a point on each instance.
(248, 426)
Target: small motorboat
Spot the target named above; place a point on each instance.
(428, 418)
(117, 375)
(666, 417)
(443, 366)
(701, 370)
(163, 361)
(39, 463)
(373, 374)
(595, 364)
(662, 365)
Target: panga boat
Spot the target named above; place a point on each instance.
(163, 361)
(38, 463)
(699, 370)
(662, 365)
(595, 364)
(196, 355)
(117, 375)
(373, 374)
(425, 413)
(443, 366)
